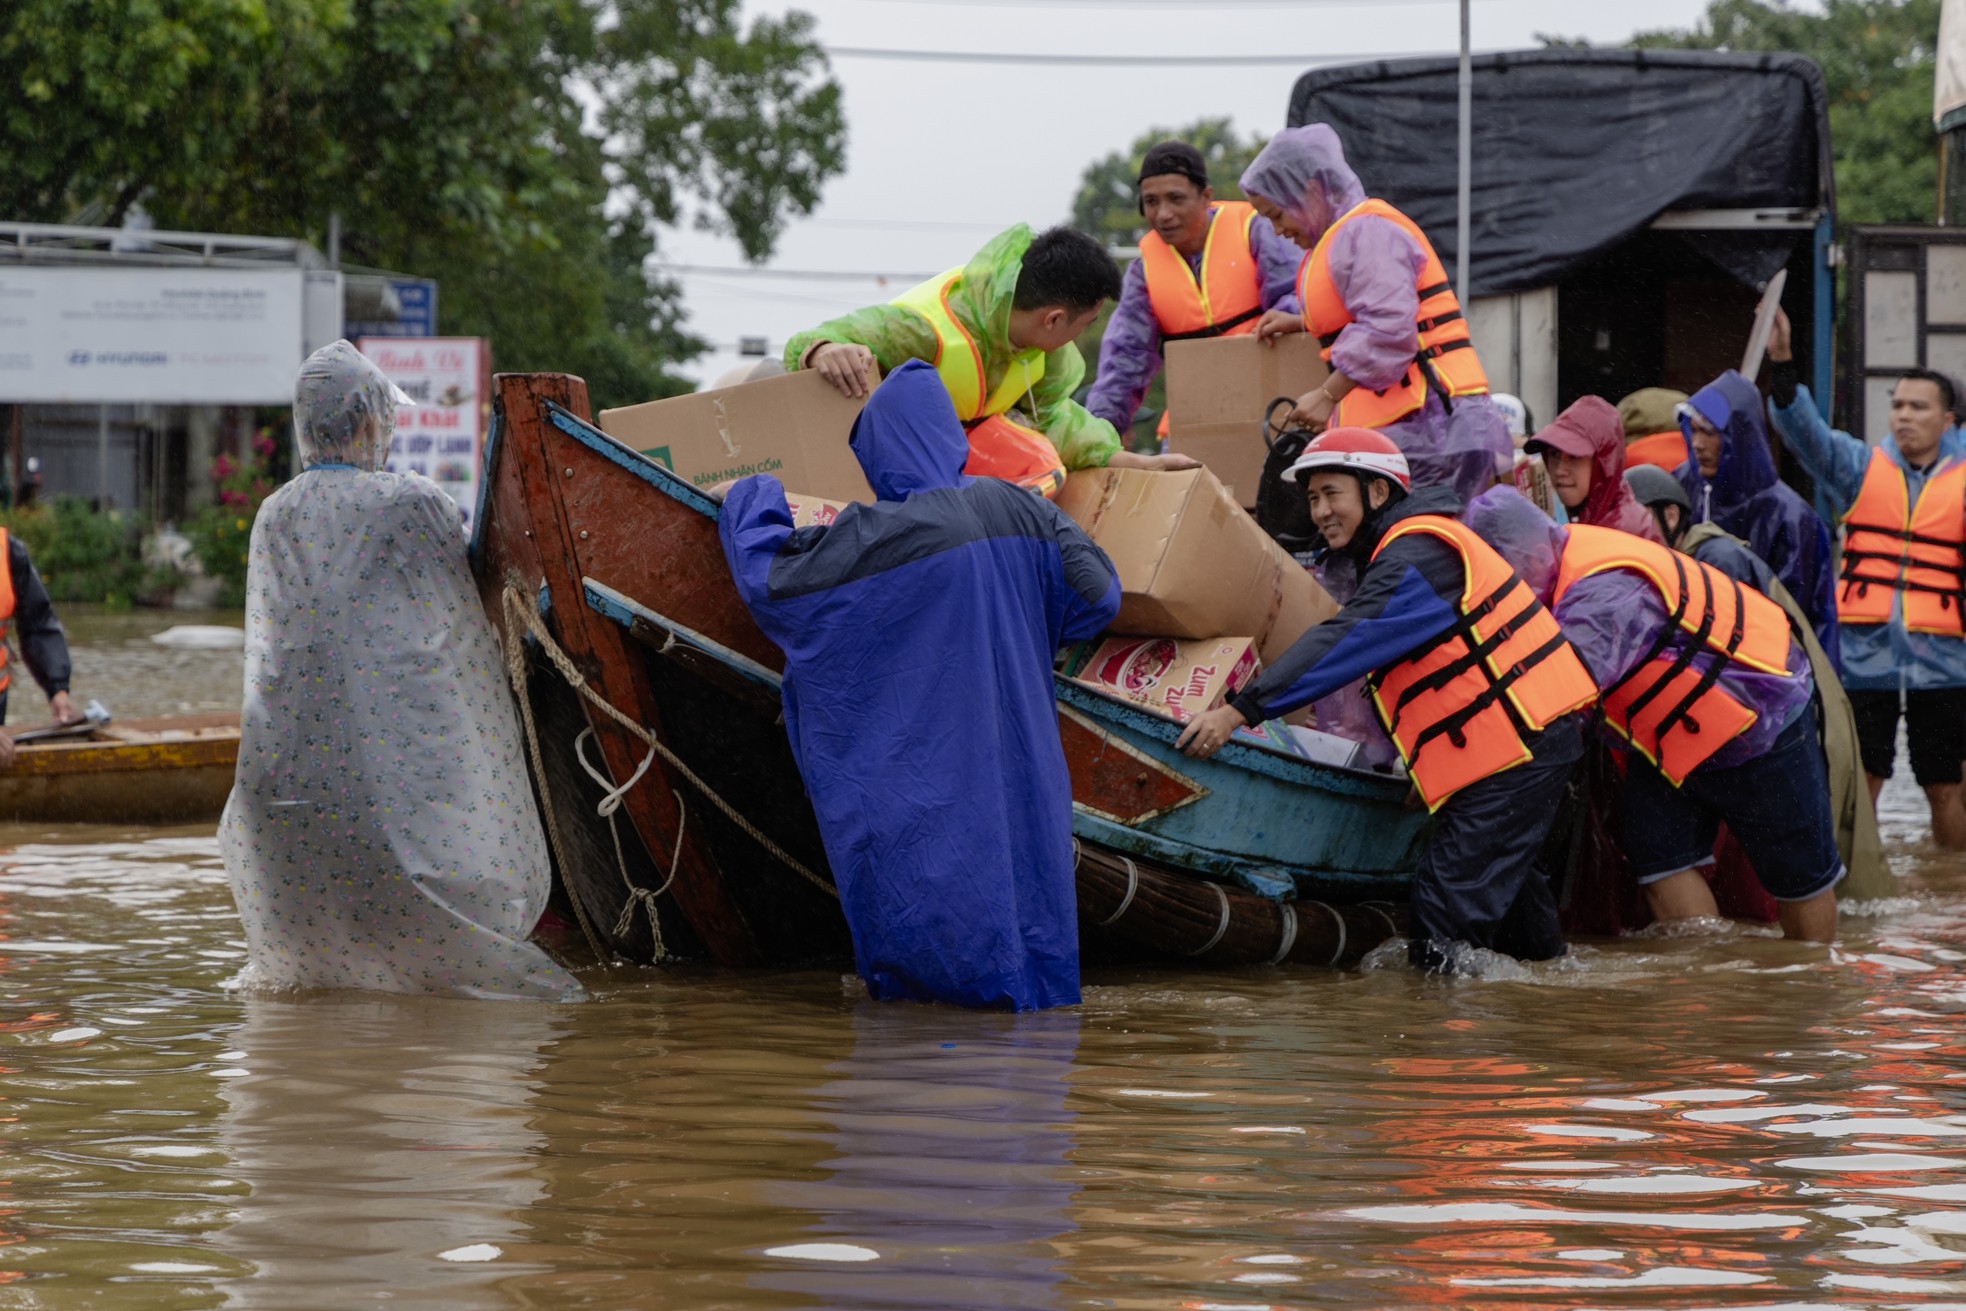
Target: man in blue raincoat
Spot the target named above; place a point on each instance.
(1730, 478)
(1894, 668)
(918, 635)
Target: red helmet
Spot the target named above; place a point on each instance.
(1354, 450)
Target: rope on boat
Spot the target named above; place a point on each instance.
(519, 613)
(1221, 927)
(1132, 886)
(637, 896)
(1289, 936)
(515, 670)
(1338, 952)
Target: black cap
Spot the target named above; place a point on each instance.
(1654, 486)
(1175, 157)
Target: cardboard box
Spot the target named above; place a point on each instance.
(808, 511)
(793, 426)
(1532, 479)
(1192, 563)
(1170, 677)
(1309, 743)
(1217, 391)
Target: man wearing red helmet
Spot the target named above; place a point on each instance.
(1471, 677)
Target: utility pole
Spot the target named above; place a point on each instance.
(1467, 166)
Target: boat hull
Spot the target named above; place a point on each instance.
(606, 570)
(155, 771)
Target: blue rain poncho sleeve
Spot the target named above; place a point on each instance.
(918, 635)
(381, 832)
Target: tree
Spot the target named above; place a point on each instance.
(1107, 204)
(1877, 58)
(524, 152)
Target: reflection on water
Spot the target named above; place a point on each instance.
(410, 1117)
(1729, 1121)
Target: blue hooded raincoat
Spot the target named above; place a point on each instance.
(918, 635)
(1746, 499)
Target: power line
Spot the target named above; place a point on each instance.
(969, 225)
(805, 275)
(1174, 4)
(1122, 61)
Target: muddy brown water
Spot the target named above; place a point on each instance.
(1721, 1120)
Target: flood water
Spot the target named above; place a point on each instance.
(1717, 1121)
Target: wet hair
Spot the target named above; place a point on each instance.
(1948, 390)
(1066, 267)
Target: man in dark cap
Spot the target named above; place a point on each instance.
(1207, 268)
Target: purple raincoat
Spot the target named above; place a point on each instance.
(1746, 499)
(1613, 618)
(1376, 267)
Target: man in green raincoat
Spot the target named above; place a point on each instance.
(999, 331)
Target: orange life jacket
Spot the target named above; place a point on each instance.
(1663, 450)
(1445, 358)
(6, 608)
(1225, 299)
(1459, 707)
(1891, 546)
(1673, 714)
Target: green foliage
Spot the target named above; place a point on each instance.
(1107, 204)
(523, 153)
(1877, 60)
(82, 554)
(221, 533)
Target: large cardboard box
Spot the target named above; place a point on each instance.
(1168, 676)
(1217, 391)
(1192, 563)
(794, 427)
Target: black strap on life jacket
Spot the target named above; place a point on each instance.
(1213, 330)
(1478, 650)
(1428, 293)
(1682, 713)
(1452, 316)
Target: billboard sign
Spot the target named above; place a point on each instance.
(194, 336)
(443, 437)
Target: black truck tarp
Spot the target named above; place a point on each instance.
(1576, 150)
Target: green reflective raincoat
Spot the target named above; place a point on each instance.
(981, 301)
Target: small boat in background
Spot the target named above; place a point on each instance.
(674, 808)
(175, 770)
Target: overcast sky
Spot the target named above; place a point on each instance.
(941, 155)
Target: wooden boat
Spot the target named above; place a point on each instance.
(140, 771)
(673, 805)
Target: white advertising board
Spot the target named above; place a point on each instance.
(443, 437)
(165, 335)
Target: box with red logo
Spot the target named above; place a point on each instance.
(808, 511)
(1179, 679)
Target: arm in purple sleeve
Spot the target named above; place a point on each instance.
(1612, 619)
(1375, 265)
(1129, 354)
(1277, 260)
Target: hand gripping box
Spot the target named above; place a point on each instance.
(1192, 563)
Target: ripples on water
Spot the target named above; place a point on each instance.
(1728, 1121)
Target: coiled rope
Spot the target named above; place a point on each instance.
(522, 618)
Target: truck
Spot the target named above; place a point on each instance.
(1628, 206)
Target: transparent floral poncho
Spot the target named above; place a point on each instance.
(382, 832)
